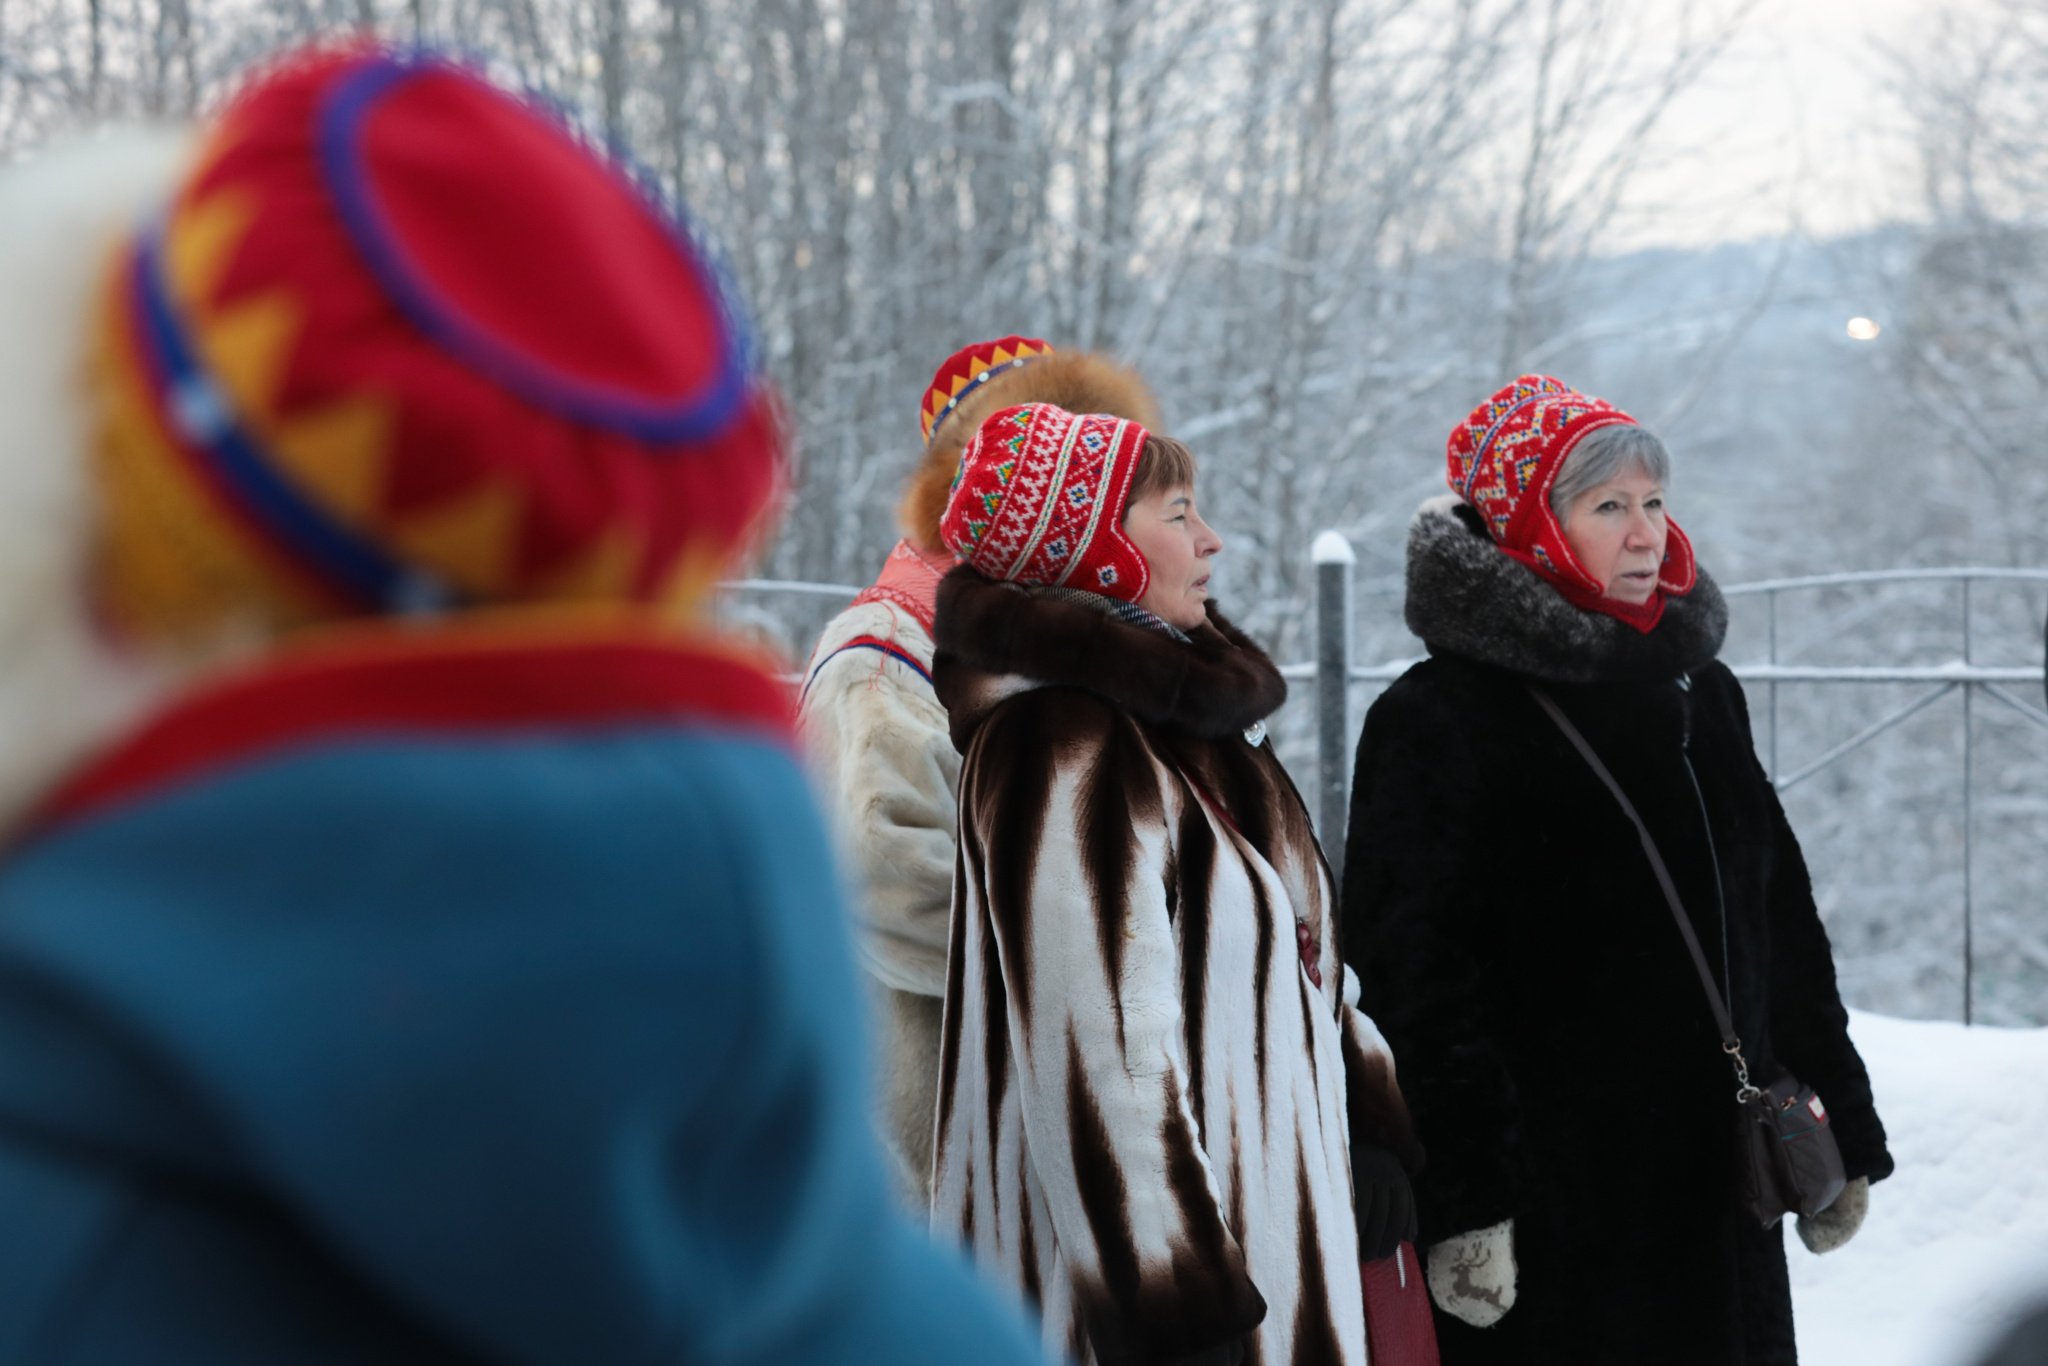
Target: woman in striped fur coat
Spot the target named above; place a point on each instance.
(876, 734)
(1157, 1098)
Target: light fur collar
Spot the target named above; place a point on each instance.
(64, 690)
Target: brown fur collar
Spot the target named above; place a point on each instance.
(1079, 381)
(996, 640)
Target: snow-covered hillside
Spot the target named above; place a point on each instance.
(1957, 1240)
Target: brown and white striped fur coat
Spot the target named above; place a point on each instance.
(1142, 1116)
(876, 736)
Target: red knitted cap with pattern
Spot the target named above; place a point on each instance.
(1040, 500)
(403, 340)
(1504, 459)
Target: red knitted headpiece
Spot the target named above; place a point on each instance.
(1505, 457)
(401, 340)
(1040, 500)
(969, 368)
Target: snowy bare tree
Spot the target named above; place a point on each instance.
(1290, 214)
(1972, 349)
(1323, 228)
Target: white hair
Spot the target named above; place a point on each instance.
(1601, 455)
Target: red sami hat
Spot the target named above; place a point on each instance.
(402, 340)
(967, 370)
(1505, 457)
(1040, 500)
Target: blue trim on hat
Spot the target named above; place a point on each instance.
(939, 418)
(202, 416)
(1486, 442)
(695, 417)
(667, 205)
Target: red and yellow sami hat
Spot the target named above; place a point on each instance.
(1504, 459)
(403, 342)
(969, 368)
(1039, 500)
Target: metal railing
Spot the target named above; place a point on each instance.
(1333, 673)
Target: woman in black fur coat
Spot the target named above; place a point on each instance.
(1558, 1054)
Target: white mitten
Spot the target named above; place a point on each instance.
(1472, 1276)
(1837, 1224)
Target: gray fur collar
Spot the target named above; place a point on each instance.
(1466, 598)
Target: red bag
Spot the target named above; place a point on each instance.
(1399, 1330)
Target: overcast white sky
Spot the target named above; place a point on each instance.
(1796, 119)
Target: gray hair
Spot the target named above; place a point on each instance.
(1603, 454)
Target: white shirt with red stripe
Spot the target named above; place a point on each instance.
(886, 768)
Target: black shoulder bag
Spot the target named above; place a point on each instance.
(1786, 1150)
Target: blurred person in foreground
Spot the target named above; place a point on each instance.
(1559, 1052)
(416, 940)
(1161, 1115)
(876, 734)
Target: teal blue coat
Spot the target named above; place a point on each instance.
(476, 999)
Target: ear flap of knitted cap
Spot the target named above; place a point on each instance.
(1040, 500)
(402, 341)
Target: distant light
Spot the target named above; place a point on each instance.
(1864, 329)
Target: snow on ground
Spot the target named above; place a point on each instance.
(1957, 1239)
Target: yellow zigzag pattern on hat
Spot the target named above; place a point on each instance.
(1000, 357)
(339, 453)
(173, 563)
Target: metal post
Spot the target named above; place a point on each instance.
(1772, 599)
(1969, 833)
(1969, 926)
(1334, 562)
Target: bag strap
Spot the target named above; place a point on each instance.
(1730, 1044)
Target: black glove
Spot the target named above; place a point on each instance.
(1386, 1203)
